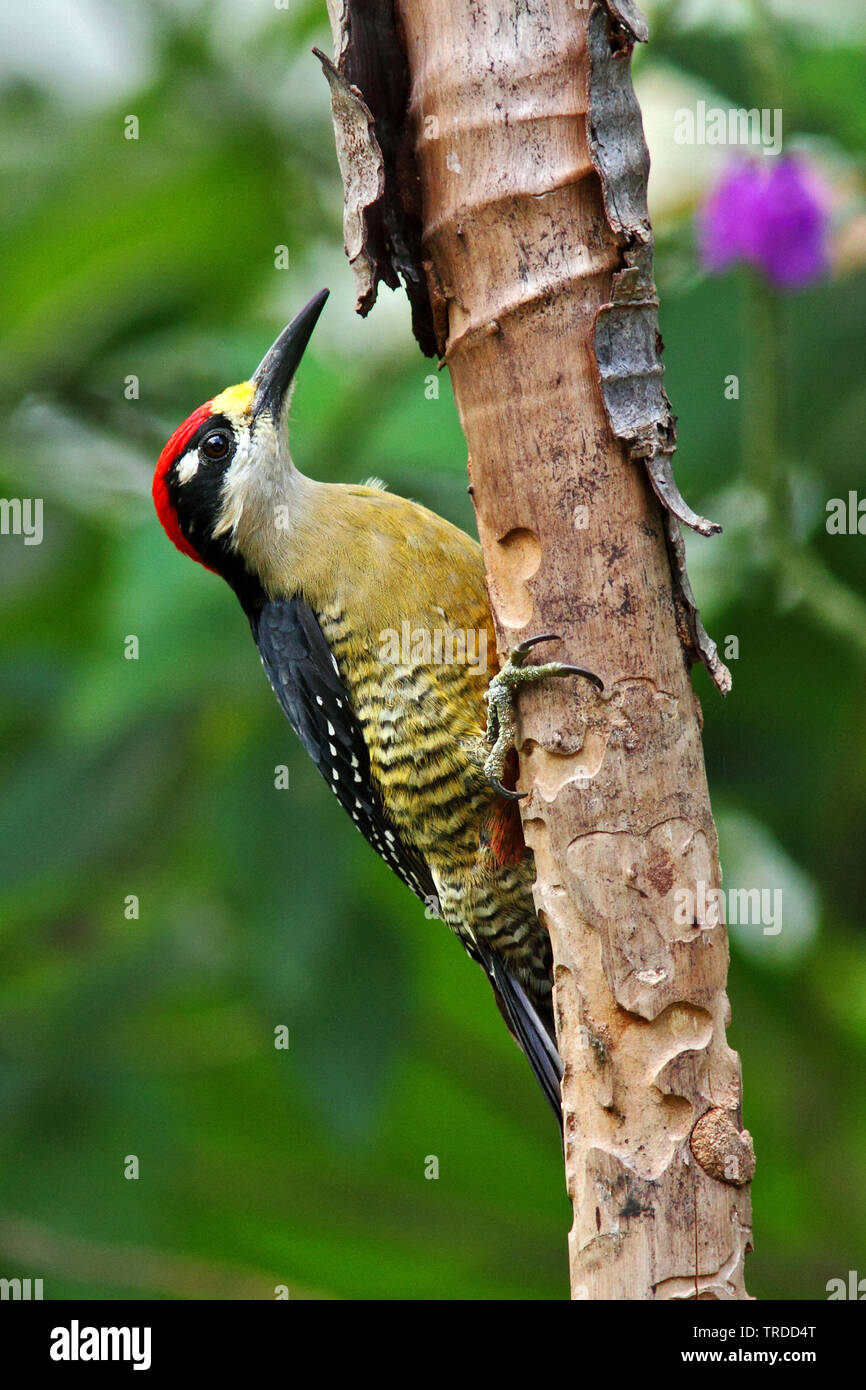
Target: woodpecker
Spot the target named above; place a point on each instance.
(417, 750)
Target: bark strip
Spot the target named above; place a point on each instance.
(627, 340)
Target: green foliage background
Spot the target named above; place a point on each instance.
(261, 907)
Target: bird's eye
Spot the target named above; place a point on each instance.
(216, 446)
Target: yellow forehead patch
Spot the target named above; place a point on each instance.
(235, 400)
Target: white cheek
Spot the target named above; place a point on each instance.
(188, 466)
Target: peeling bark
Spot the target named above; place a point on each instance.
(627, 339)
(369, 84)
(362, 169)
(527, 145)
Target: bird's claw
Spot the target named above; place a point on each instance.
(505, 791)
(523, 648)
(579, 671)
(558, 668)
(500, 718)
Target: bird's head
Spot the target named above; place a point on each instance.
(226, 470)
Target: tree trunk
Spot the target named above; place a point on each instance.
(526, 148)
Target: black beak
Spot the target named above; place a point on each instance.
(273, 376)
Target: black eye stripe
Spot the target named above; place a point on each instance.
(211, 426)
(179, 475)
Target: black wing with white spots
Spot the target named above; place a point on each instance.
(306, 681)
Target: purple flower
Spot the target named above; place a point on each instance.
(772, 216)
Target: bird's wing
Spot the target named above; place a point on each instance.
(306, 681)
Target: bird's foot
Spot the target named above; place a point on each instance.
(500, 704)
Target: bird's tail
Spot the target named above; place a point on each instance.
(530, 1023)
